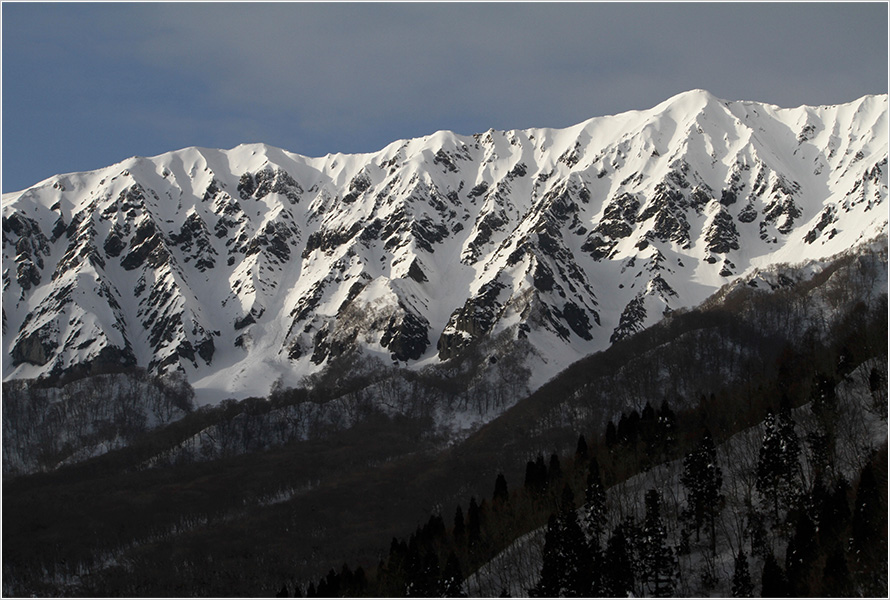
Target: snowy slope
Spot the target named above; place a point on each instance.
(247, 265)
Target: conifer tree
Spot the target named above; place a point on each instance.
(629, 428)
(778, 469)
(541, 467)
(554, 472)
(566, 566)
(649, 433)
(414, 571)
(869, 517)
(635, 543)
(667, 429)
(836, 582)
(868, 541)
(433, 530)
(741, 577)
(329, 586)
(791, 442)
(611, 435)
(574, 551)
(658, 560)
(536, 476)
(835, 515)
(773, 582)
(594, 503)
(501, 493)
(595, 578)
(818, 501)
(617, 571)
(452, 578)
(530, 476)
(703, 480)
(769, 462)
(359, 583)
(347, 578)
(429, 584)
(474, 522)
(581, 451)
(548, 583)
(459, 526)
(800, 556)
(391, 578)
(823, 397)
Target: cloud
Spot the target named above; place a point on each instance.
(354, 64)
(327, 77)
(348, 66)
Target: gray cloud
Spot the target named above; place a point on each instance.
(315, 78)
(331, 66)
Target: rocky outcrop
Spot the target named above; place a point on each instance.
(36, 349)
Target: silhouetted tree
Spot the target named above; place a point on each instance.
(565, 570)
(836, 582)
(773, 582)
(501, 493)
(536, 475)
(741, 577)
(629, 428)
(611, 435)
(836, 513)
(452, 578)
(554, 472)
(658, 560)
(800, 556)
(703, 479)
(778, 470)
(581, 451)
(459, 526)
(667, 428)
(548, 582)
(649, 434)
(868, 542)
(575, 553)
(617, 571)
(869, 517)
(594, 503)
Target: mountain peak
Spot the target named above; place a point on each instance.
(688, 103)
(696, 94)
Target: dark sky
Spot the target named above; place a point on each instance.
(88, 85)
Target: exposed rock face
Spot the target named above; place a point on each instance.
(33, 349)
(617, 223)
(406, 336)
(240, 266)
(722, 236)
(472, 321)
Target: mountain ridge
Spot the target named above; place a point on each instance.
(253, 264)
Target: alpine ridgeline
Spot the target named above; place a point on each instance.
(242, 266)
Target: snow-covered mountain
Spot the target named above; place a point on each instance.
(243, 266)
